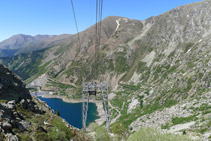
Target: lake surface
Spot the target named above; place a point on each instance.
(72, 112)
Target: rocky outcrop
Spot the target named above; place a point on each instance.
(22, 116)
(11, 118)
(11, 87)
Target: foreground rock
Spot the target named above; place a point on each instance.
(22, 117)
(11, 87)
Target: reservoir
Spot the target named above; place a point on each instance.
(72, 112)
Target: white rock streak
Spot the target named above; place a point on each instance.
(117, 21)
(194, 45)
(199, 40)
(189, 50)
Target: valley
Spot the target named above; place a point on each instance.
(158, 70)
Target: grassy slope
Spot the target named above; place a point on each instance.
(146, 134)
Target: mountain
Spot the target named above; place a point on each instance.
(23, 117)
(17, 41)
(159, 69)
(20, 43)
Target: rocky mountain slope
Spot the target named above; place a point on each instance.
(152, 66)
(25, 118)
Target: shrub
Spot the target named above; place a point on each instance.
(42, 137)
(59, 130)
(2, 137)
(25, 138)
(57, 113)
(101, 132)
(166, 126)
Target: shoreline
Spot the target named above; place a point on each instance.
(99, 105)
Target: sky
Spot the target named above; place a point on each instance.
(54, 17)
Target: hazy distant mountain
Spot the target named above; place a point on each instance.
(20, 40)
(25, 43)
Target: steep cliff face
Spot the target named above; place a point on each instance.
(25, 118)
(11, 87)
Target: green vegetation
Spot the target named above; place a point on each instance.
(171, 54)
(3, 101)
(148, 134)
(117, 102)
(189, 85)
(113, 113)
(59, 131)
(61, 49)
(203, 130)
(42, 136)
(204, 108)
(156, 106)
(24, 137)
(57, 113)
(141, 101)
(101, 132)
(65, 89)
(75, 66)
(141, 67)
(111, 65)
(121, 64)
(2, 137)
(166, 126)
(26, 65)
(119, 129)
(181, 120)
(130, 87)
(172, 69)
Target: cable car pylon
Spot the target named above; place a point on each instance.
(94, 87)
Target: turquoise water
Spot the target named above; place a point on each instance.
(72, 112)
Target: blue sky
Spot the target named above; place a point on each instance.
(55, 17)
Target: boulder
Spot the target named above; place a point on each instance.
(6, 125)
(12, 137)
(13, 123)
(11, 104)
(24, 125)
(24, 104)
